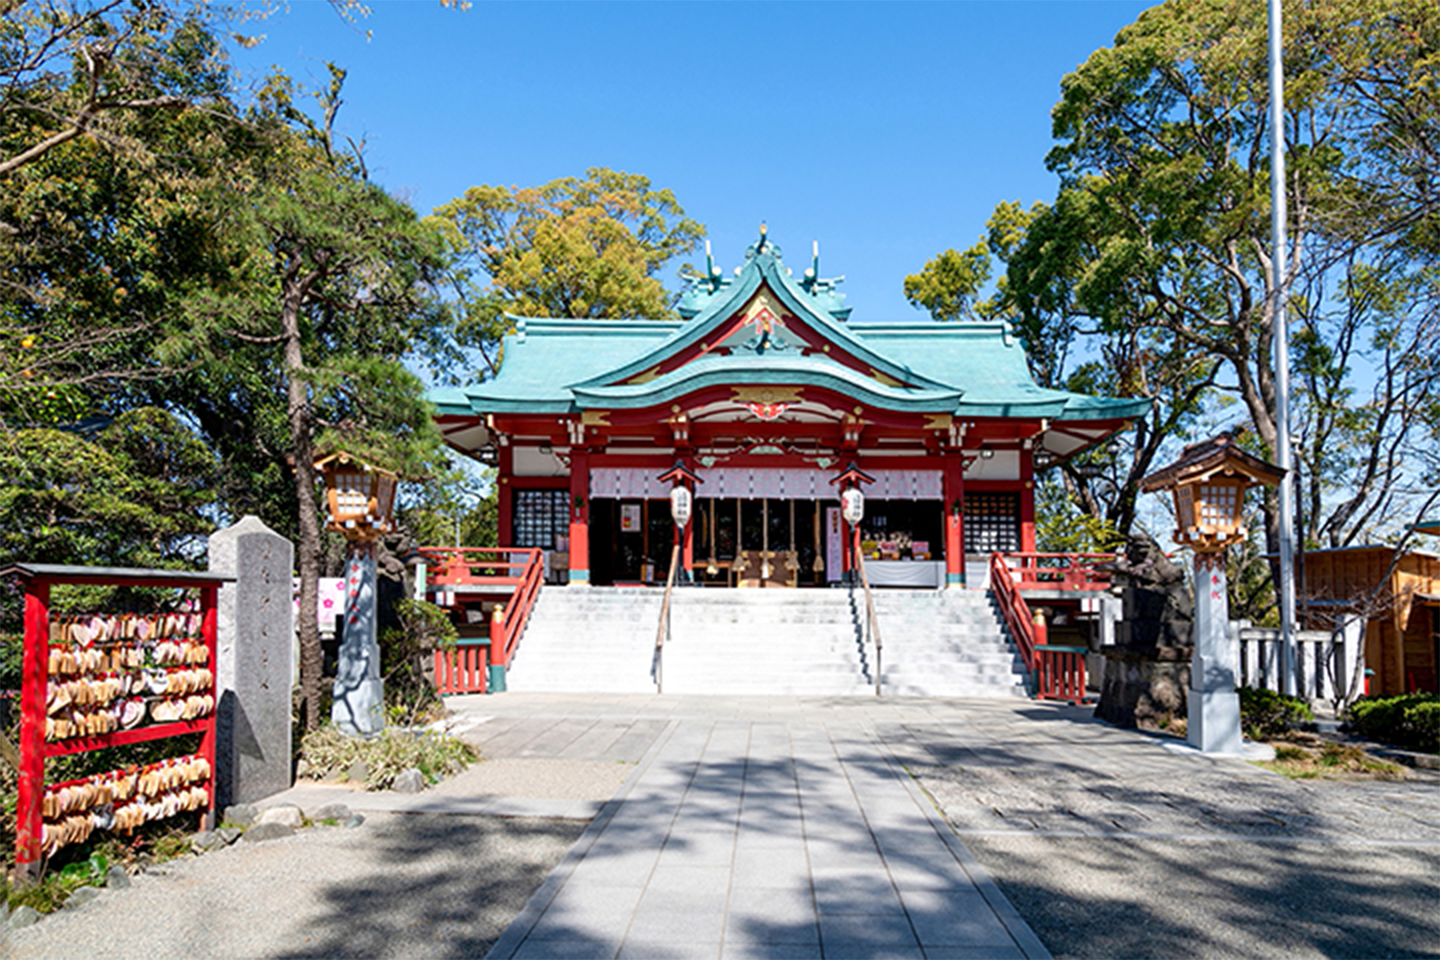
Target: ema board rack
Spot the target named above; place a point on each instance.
(109, 680)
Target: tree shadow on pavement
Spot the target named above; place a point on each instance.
(441, 885)
(1114, 897)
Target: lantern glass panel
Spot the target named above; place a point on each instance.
(385, 497)
(1185, 508)
(1218, 505)
(352, 494)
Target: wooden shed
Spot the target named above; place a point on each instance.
(1401, 629)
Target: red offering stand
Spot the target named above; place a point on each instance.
(176, 660)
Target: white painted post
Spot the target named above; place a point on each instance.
(1213, 710)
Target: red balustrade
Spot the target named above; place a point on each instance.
(511, 575)
(1059, 672)
(463, 669)
(1058, 571)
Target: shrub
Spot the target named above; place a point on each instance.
(1410, 720)
(328, 754)
(1265, 713)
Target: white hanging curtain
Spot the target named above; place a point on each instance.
(754, 483)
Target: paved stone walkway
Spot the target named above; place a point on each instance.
(807, 827)
(768, 839)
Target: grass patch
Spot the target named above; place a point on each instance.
(1316, 759)
(88, 864)
(329, 754)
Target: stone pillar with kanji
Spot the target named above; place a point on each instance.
(1213, 709)
(1209, 484)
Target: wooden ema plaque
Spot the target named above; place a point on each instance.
(100, 681)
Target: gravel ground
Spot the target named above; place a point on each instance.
(1116, 897)
(1110, 845)
(397, 886)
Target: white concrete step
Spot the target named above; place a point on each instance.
(948, 643)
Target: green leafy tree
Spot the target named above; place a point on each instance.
(134, 491)
(583, 248)
(1163, 157)
(330, 285)
(950, 283)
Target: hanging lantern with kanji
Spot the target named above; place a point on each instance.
(360, 497)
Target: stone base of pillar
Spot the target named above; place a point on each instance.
(359, 710)
(1213, 721)
(1144, 688)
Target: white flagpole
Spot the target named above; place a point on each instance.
(1279, 286)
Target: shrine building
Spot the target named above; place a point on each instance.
(765, 391)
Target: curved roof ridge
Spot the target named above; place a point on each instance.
(764, 267)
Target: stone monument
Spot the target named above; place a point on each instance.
(254, 662)
(1147, 668)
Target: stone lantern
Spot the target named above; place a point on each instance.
(360, 500)
(1209, 483)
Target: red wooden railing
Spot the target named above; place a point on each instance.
(1058, 672)
(463, 669)
(512, 573)
(1013, 608)
(1058, 571)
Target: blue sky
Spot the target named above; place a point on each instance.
(887, 131)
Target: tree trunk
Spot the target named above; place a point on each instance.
(298, 414)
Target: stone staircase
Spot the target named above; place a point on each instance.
(950, 643)
(586, 640)
(800, 642)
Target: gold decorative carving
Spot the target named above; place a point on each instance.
(937, 421)
(766, 394)
(647, 376)
(885, 380)
(595, 418)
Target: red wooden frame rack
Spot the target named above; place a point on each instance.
(34, 750)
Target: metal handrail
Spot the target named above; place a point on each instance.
(871, 624)
(662, 633)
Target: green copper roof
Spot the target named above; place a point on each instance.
(763, 267)
(968, 369)
(989, 364)
(788, 371)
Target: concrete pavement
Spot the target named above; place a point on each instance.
(764, 838)
(785, 826)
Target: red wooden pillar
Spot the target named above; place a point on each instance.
(688, 539)
(209, 630)
(1028, 501)
(505, 498)
(579, 515)
(28, 822)
(954, 495)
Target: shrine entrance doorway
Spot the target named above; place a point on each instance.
(768, 542)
